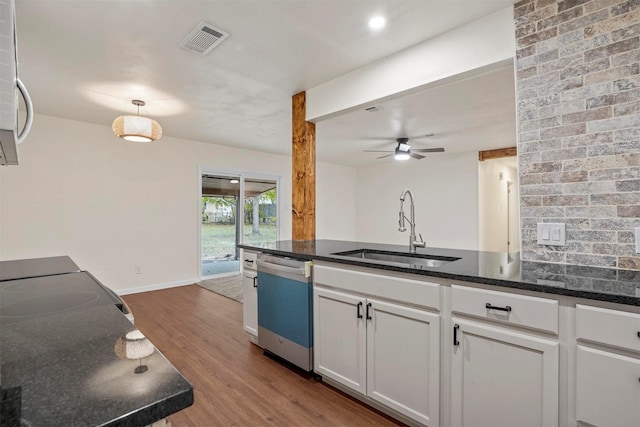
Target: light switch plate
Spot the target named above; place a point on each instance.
(638, 240)
(551, 233)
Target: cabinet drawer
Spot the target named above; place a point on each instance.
(514, 309)
(249, 260)
(611, 327)
(402, 289)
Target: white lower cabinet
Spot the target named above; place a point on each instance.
(403, 359)
(386, 351)
(505, 359)
(607, 367)
(607, 388)
(250, 296)
(512, 358)
(250, 304)
(502, 377)
(340, 339)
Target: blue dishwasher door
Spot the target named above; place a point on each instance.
(285, 317)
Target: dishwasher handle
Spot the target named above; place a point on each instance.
(270, 267)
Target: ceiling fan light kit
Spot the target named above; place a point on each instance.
(402, 152)
(136, 128)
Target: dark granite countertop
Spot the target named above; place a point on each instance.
(490, 268)
(57, 339)
(36, 267)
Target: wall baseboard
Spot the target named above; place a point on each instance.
(156, 287)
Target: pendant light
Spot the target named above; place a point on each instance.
(134, 346)
(137, 128)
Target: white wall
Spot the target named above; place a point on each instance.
(111, 205)
(335, 202)
(445, 188)
(494, 210)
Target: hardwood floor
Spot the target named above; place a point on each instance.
(234, 384)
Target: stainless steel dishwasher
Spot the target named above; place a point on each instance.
(285, 309)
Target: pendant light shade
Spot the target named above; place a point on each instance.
(134, 346)
(137, 128)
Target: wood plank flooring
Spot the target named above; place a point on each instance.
(201, 333)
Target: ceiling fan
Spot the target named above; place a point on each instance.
(403, 151)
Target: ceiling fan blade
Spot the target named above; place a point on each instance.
(395, 138)
(378, 138)
(424, 135)
(377, 151)
(428, 150)
(382, 157)
(416, 156)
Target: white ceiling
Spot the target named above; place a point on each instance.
(87, 59)
(470, 114)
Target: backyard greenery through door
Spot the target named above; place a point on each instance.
(221, 229)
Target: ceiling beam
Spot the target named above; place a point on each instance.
(303, 197)
(497, 153)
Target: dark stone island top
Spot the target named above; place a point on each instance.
(58, 366)
(36, 267)
(490, 268)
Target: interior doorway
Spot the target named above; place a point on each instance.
(234, 209)
(499, 210)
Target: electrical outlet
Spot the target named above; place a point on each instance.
(137, 269)
(638, 240)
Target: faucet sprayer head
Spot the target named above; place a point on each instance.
(401, 226)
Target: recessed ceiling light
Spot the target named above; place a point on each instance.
(377, 22)
(234, 181)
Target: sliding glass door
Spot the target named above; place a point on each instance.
(219, 227)
(235, 208)
(260, 210)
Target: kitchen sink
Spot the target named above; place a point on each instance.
(399, 258)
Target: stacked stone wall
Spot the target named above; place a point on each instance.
(578, 94)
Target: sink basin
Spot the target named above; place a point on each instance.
(399, 258)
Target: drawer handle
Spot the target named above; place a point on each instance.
(358, 310)
(506, 308)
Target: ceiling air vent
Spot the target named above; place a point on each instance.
(373, 109)
(203, 39)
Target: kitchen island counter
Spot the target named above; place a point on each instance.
(490, 268)
(58, 362)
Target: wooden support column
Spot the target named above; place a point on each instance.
(303, 198)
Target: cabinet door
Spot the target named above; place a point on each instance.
(608, 391)
(340, 338)
(403, 359)
(250, 302)
(502, 377)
